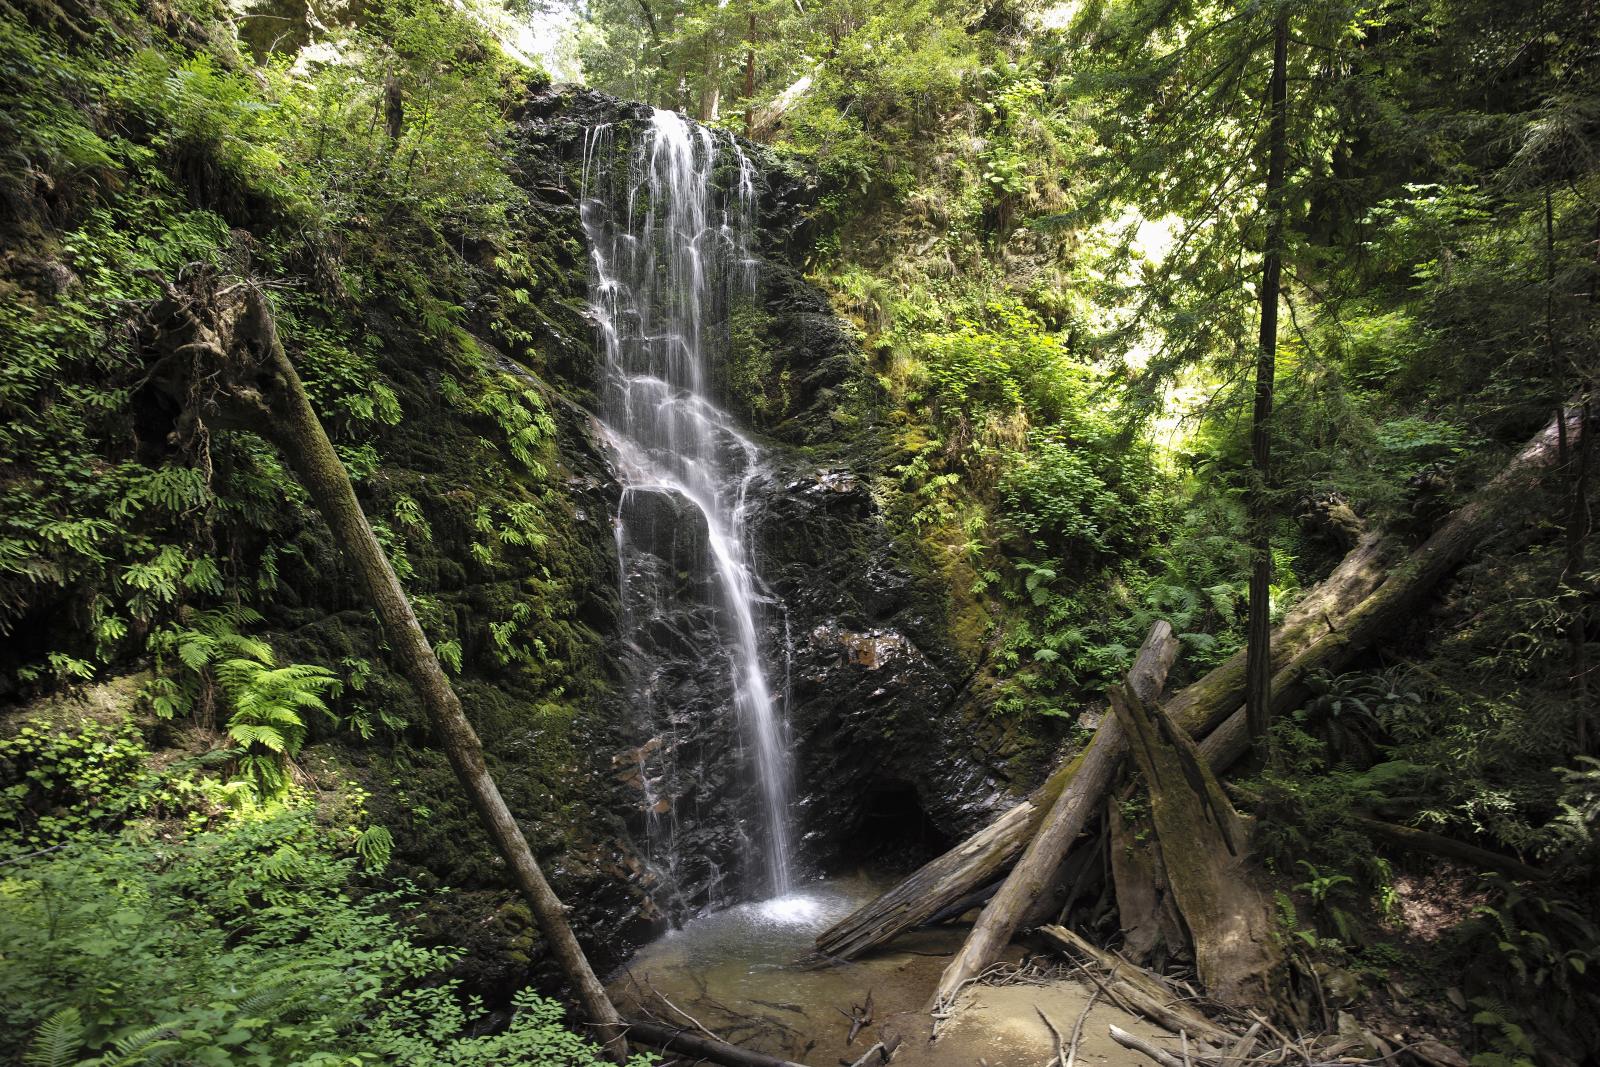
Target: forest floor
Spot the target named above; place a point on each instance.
(740, 974)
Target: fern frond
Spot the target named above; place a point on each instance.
(59, 1040)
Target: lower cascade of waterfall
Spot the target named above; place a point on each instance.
(669, 222)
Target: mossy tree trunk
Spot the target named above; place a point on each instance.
(231, 368)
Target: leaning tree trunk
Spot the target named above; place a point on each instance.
(1393, 602)
(1060, 826)
(237, 352)
(986, 855)
(1205, 846)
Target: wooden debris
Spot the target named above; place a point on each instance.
(1060, 827)
(685, 1042)
(1205, 845)
(1138, 991)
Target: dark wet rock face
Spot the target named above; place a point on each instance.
(853, 632)
(876, 700)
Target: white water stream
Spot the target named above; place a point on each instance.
(670, 249)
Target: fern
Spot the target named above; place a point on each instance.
(58, 1041)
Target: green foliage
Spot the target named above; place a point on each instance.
(66, 785)
(240, 943)
(1543, 946)
(205, 662)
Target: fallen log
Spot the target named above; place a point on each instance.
(1205, 843)
(1227, 735)
(1415, 840)
(1137, 990)
(986, 855)
(1061, 825)
(1438, 845)
(1214, 704)
(700, 1047)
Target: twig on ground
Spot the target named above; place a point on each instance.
(1060, 1051)
(1077, 1030)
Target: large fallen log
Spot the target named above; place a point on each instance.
(1227, 737)
(1061, 826)
(1321, 621)
(986, 855)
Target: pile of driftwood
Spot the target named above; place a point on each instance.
(1198, 856)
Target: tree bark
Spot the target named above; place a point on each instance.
(259, 390)
(1258, 696)
(1060, 827)
(1393, 602)
(1147, 915)
(699, 1047)
(1205, 845)
(750, 76)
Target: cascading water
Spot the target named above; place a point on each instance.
(670, 252)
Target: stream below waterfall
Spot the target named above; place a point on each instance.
(669, 209)
(738, 973)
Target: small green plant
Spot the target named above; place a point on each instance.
(69, 783)
(1329, 891)
(207, 664)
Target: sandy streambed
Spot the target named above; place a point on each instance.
(735, 972)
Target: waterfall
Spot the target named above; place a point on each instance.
(669, 231)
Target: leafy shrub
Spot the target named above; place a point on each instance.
(239, 944)
(65, 784)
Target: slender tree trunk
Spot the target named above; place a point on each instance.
(1258, 697)
(711, 87)
(394, 108)
(260, 391)
(750, 76)
(1059, 828)
(1579, 522)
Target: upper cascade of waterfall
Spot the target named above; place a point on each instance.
(670, 227)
